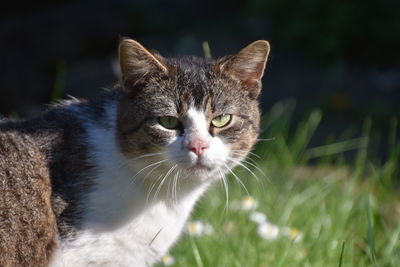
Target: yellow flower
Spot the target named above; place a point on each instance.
(168, 260)
(294, 234)
(198, 228)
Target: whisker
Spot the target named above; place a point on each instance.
(167, 177)
(175, 184)
(147, 155)
(169, 186)
(134, 177)
(253, 163)
(239, 153)
(153, 184)
(245, 167)
(132, 160)
(173, 192)
(237, 179)
(252, 160)
(246, 158)
(148, 166)
(249, 152)
(147, 174)
(163, 181)
(172, 181)
(226, 189)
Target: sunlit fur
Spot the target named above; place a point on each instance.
(148, 180)
(122, 185)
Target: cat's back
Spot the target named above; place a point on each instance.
(27, 222)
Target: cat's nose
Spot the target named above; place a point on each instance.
(198, 146)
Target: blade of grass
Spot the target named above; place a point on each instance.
(361, 158)
(303, 134)
(59, 85)
(206, 49)
(370, 228)
(341, 254)
(196, 253)
(332, 149)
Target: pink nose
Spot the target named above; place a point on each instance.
(197, 146)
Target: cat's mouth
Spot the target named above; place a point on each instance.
(199, 167)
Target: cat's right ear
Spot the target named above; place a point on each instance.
(247, 66)
(136, 62)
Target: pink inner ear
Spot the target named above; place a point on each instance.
(249, 76)
(249, 72)
(248, 65)
(251, 83)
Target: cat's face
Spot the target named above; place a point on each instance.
(195, 116)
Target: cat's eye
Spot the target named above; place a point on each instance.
(169, 122)
(221, 121)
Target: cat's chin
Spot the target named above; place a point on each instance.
(199, 170)
(203, 173)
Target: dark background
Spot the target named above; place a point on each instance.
(340, 56)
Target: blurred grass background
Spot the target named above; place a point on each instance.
(327, 162)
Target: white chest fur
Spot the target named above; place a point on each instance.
(118, 228)
(140, 242)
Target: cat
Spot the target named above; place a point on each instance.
(111, 182)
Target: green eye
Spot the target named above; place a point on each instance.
(221, 120)
(169, 122)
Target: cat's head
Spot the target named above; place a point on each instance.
(195, 115)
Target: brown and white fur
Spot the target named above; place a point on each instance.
(102, 182)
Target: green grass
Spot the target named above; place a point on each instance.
(347, 209)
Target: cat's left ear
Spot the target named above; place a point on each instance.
(248, 66)
(137, 62)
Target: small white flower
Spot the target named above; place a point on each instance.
(249, 203)
(268, 231)
(208, 229)
(168, 260)
(258, 217)
(198, 228)
(294, 234)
